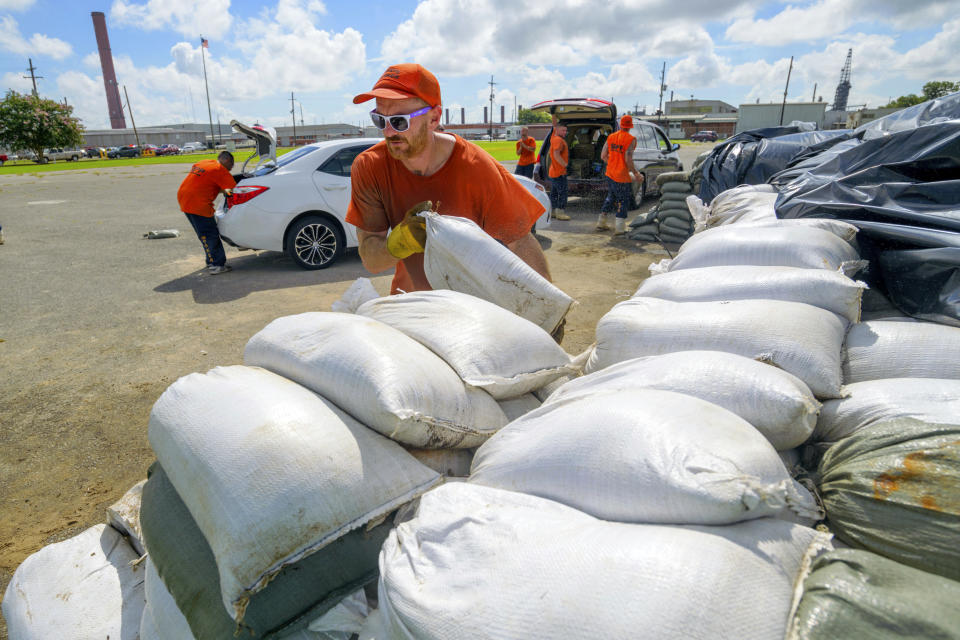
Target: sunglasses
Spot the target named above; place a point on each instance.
(398, 122)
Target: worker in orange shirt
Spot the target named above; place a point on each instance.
(618, 154)
(415, 163)
(559, 158)
(526, 145)
(206, 180)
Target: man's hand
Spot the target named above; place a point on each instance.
(410, 236)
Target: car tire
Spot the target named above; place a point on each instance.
(315, 242)
(74, 158)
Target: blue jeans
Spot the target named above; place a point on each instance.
(525, 170)
(619, 197)
(209, 235)
(558, 192)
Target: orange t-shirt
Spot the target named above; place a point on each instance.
(471, 184)
(617, 145)
(202, 185)
(559, 144)
(526, 157)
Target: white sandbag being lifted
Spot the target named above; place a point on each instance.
(383, 378)
(644, 456)
(799, 338)
(779, 246)
(483, 564)
(778, 404)
(463, 257)
(489, 347)
(932, 400)
(828, 290)
(893, 349)
(272, 473)
(84, 587)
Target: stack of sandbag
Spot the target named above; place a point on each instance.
(645, 227)
(673, 215)
(268, 503)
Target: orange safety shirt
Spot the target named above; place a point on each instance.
(526, 157)
(471, 184)
(202, 185)
(617, 167)
(559, 144)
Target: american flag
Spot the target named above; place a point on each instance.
(204, 43)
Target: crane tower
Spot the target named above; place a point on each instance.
(843, 88)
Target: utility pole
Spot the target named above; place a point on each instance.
(33, 77)
(663, 88)
(132, 121)
(301, 114)
(203, 58)
(783, 105)
(293, 112)
(814, 97)
(490, 122)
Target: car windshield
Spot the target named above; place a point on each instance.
(284, 160)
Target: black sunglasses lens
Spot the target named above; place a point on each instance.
(398, 123)
(378, 121)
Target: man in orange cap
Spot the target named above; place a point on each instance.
(618, 154)
(415, 163)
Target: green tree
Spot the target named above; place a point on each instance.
(903, 101)
(939, 88)
(526, 116)
(34, 123)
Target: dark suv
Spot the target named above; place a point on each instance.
(704, 136)
(129, 151)
(589, 121)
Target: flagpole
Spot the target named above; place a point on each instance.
(207, 86)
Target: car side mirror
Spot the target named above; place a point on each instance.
(676, 145)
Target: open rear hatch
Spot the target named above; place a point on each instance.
(265, 139)
(578, 109)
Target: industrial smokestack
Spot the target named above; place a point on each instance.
(502, 115)
(109, 75)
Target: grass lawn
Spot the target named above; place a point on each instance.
(503, 150)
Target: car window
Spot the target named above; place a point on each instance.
(342, 161)
(645, 138)
(662, 143)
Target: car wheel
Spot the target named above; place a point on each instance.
(74, 158)
(639, 191)
(315, 242)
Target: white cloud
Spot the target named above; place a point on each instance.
(16, 5)
(38, 45)
(192, 18)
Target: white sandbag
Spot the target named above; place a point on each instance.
(463, 257)
(746, 202)
(482, 564)
(383, 378)
(778, 404)
(799, 338)
(794, 246)
(932, 400)
(843, 230)
(342, 621)
(84, 587)
(359, 292)
(643, 455)
(489, 347)
(830, 290)
(513, 408)
(546, 391)
(452, 463)
(124, 516)
(162, 619)
(766, 330)
(272, 472)
(894, 349)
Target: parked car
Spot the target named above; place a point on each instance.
(147, 149)
(704, 136)
(589, 121)
(168, 150)
(297, 204)
(190, 147)
(55, 153)
(128, 151)
(112, 152)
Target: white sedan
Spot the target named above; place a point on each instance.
(298, 204)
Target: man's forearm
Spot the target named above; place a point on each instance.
(528, 249)
(373, 252)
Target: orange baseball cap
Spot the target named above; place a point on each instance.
(401, 81)
(626, 122)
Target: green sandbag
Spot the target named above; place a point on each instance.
(674, 200)
(672, 237)
(857, 594)
(299, 594)
(682, 188)
(644, 236)
(674, 205)
(651, 228)
(673, 225)
(677, 214)
(672, 176)
(892, 488)
(644, 218)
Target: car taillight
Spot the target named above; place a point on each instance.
(243, 194)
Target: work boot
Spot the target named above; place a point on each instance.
(621, 227)
(216, 269)
(602, 224)
(558, 214)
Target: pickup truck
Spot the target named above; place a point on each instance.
(54, 154)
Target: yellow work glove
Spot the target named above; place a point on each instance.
(410, 236)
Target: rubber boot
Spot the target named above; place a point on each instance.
(602, 223)
(621, 227)
(558, 214)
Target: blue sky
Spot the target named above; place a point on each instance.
(326, 52)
